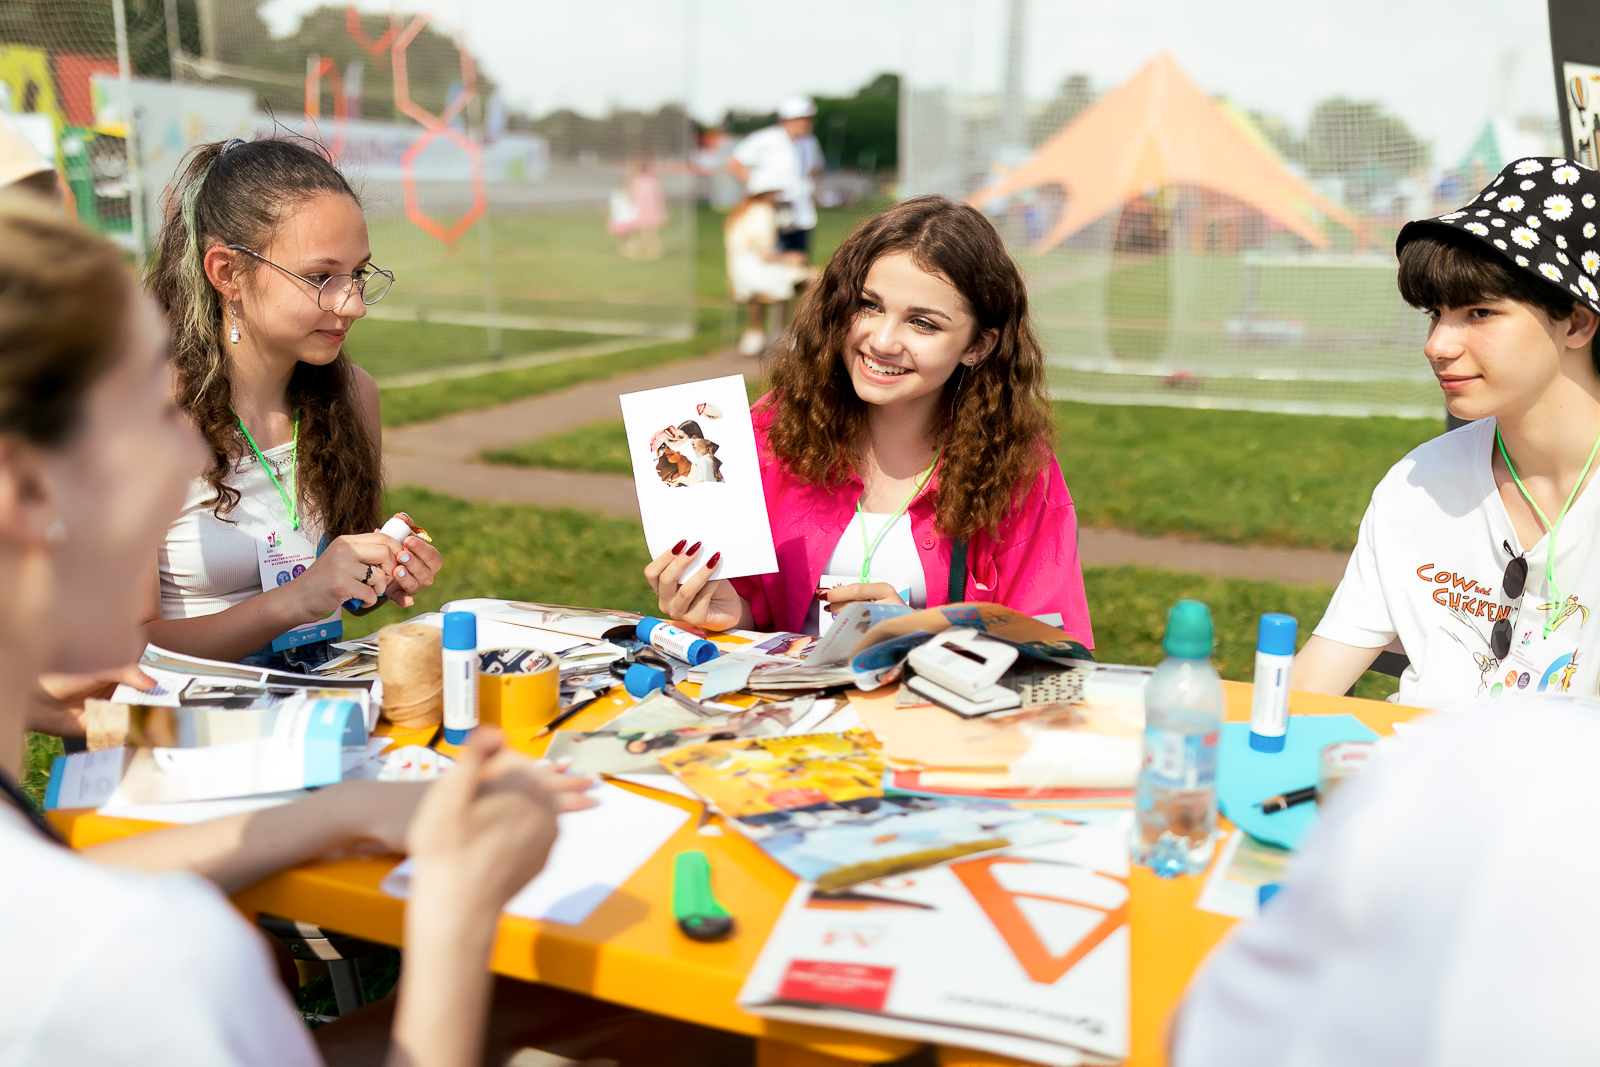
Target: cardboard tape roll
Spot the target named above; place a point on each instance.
(518, 688)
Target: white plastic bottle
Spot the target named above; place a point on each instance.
(1175, 801)
(460, 676)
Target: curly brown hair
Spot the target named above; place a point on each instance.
(238, 192)
(996, 427)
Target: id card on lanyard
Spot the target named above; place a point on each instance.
(284, 553)
(1541, 662)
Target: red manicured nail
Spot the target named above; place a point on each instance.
(820, 594)
(711, 564)
(693, 550)
(677, 548)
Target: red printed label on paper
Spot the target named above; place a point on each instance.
(848, 985)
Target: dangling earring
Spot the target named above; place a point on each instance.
(233, 334)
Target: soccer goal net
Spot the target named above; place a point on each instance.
(1205, 197)
(516, 233)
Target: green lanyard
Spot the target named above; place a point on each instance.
(288, 497)
(1550, 555)
(868, 552)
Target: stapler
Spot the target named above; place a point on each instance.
(960, 668)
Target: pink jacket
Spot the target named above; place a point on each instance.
(1031, 567)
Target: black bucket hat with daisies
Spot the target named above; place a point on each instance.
(1541, 215)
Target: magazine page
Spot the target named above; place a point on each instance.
(1022, 956)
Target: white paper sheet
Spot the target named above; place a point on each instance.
(719, 502)
(193, 811)
(598, 850)
(494, 633)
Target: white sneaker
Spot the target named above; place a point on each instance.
(752, 343)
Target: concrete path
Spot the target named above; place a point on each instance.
(443, 456)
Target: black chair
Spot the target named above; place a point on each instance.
(1393, 664)
(339, 951)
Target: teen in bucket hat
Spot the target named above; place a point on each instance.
(1473, 557)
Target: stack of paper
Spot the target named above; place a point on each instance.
(1021, 955)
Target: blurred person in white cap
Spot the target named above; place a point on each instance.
(758, 274)
(786, 157)
(22, 167)
(1441, 913)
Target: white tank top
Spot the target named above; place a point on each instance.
(209, 564)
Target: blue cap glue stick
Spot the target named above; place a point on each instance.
(679, 644)
(460, 675)
(1269, 707)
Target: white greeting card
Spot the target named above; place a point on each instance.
(697, 474)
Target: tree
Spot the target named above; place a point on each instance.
(1357, 140)
(1076, 94)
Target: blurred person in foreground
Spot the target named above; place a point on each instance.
(124, 954)
(758, 276)
(786, 157)
(1442, 912)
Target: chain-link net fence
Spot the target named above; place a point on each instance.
(1181, 250)
(516, 236)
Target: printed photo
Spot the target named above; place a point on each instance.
(683, 454)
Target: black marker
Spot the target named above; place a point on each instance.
(1284, 801)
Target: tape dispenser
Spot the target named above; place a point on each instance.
(960, 668)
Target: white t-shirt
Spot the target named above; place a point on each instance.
(209, 564)
(895, 562)
(1441, 913)
(109, 966)
(771, 154)
(1426, 575)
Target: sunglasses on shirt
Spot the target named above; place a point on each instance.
(1514, 582)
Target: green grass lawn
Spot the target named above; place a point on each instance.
(422, 403)
(386, 347)
(1233, 476)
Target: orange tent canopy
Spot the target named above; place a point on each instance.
(1160, 130)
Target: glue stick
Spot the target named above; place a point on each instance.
(460, 675)
(1269, 707)
(680, 644)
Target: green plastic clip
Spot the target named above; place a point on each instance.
(696, 908)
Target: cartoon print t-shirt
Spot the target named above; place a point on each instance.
(1426, 574)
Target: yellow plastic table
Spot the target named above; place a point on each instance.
(631, 952)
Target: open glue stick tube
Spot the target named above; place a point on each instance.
(398, 527)
(1269, 706)
(679, 644)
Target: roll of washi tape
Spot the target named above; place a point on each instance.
(518, 688)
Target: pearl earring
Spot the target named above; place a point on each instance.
(233, 334)
(56, 532)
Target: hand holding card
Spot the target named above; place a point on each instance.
(698, 477)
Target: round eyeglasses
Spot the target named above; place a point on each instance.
(333, 293)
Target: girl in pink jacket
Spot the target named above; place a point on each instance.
(906, 443)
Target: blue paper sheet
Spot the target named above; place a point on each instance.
(1246, 777)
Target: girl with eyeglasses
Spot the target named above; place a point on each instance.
(263, 266)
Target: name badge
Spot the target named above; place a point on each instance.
(1540, 664)
(283, 555)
